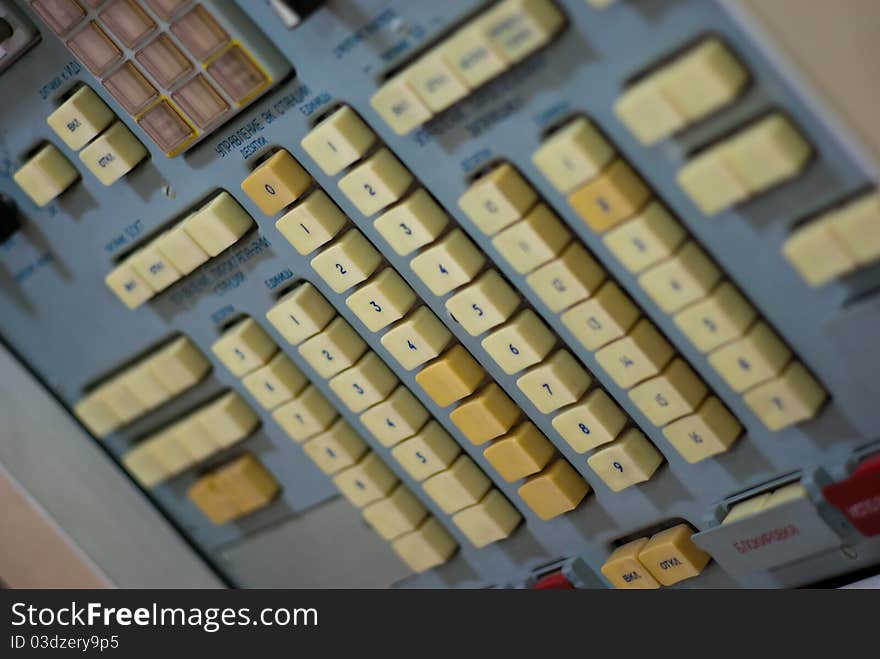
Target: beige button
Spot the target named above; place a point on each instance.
(460, 486)
(498, 199)
(244, 347)
(557, 382)
(376, 183)
(555, 491)
(275, 383)
(625, 462)
(534, 241)
(338, 141)
(396, 418)
(593, 421)
(753, 359)
(46, 175)
(301, 313)
(573, 277)
(717, 319)
(382, 300)
(645, 240)
(420, 337)
(429, 452)
(522, 452)
(400, 513)
(711, 430)
(367, 481)
(486, 303)
(684, 278)
(486, 415)
(449, 263)
(416, 221)
(573, 155)
(605, 317)
(335, 449)
(428, 546)
(306, 415)
(113, 154)
(311, 223)
(334, 349)
(490, 520)
(636, 357)
(80, 118)
(791, 398)
(347, 261)
(399, 105)
(451, 377)
(677, 391)
(521, 343)
(366, 383)
(219, 224)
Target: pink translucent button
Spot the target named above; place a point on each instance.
(200, 101)
(60, 15)
(200, 33)
(130, 88)
(236, 73)
(128, 22)
(164, 61)
(167, 128)
(165, 9)
(94, 48)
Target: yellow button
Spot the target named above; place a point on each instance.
(497, 199)
(212, 502)
(228, 420)
(460, 486)
(555, 383)
(758, 157)
(338, 141)
(485, 415)
(376, 183)
(248, 483)
(336, 448)
(428, 546)
(382, 300)
(534, 241)
(594, 421)
(121, 400)
(367, 481)
(517, 28)
(614, 196)
(817, 254)
(521, 343)
(396, 418)
(218, 224)
(625, 462)
(181, 251)
(677, 391)
(636, 357)
(275, 383)
(334, 349)
(113, 154)
(399, 106)
(573, 277)
(709, 431)
(671, 556)
(169, 453)
(448, 264)
(400, 513)
(366, 383)
(153, 268)
(686, 277)
(427, 453)
(451, 377)
(306, 415)
(646, 239)
(45, 175)
(413, 223)
(128, 285)
(624, 570)
(80, 118)
(144, 467)
(347, 261)
(793, 397)
(417, 339)
(311, 223)
(522, 452)
(145, 386)
(301, 313)
(753, 359)
(471, 56)
(93, 411)
(490, 520)
(691, 87)
(603, 318)
(573, 155)
(556, 490)
(244, 347)
(276, 183)
(435, 81)
(178, 365)
(745, 508)
(195, 439)
(855, 226)
(790, 492)
(721, 317)
(486, 303)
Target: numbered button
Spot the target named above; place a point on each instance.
(711, 430)
(490, 520)
(524, 341)
(460, 486)
(646, 239)
(636, 357)
(417, 339)
(791, 398)
(534, 241)
(396, 418)
(557, 382)
(614, 196)
(367, 481)
(275, 383)
(347, 262)
(301, 313)
(276, 183)
(364, 384)
(629, 460)
(497, 199)
(603, 318)
(682, 279)
(244, 347)
(594, 421)
(753, 359)
(376, 183)
(486, 303)
(449, 264)
(338, 141)
(400, 513)
(573, 277)
(312, 223)
(723, 316)
(573, 155)
(416, 221)
(335, 449)
(674, 393)
(333, 350)
(306, 415)
(382, 300)
(429, 452)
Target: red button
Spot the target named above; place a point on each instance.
(858, 497)
(553, 581)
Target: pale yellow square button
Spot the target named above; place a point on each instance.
(45, 175)
(624, 570)
(573, 155)
(313, 222)
(367, 481)
(96, 415)
(522, 452)
(113, 154)
(228, 420)
(492, 519)
(428, 546)
(555, 491)
(179, 365)
(533, 241)
(153, 268)
(429, 452)
(636, 357)
(471, 56)
(334, 349)
(244, 347)
(347, 261)
(366, 383)
(460, 486)
(486, 415)
(557, 382)
(80, 118)
(128, 285)
(449, 263)
(721, 317)
(594, 421)
(791, 398)
(435, 81)
(573, 277)
(816, 254)
(755, 358)
(685, 277)
(523, 342)
(857, 227)
(517, 28)
(412, 223)
(397, 417)
(219, 224)
(676, 392)
(599, 320)
(486, 303)
(178, 247)
(301, 313)
(497, 199)
(612, 197)
(646, 239)
(451, 377)
(382, 300)
(400, 106)
(336, 448)
(275, 383)
(711, 430)
(146, 387)
(376, 183)
(419, 338)
(338, 141)
(400, 513)
(306, 415)
(671, 556)
(630, 460)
